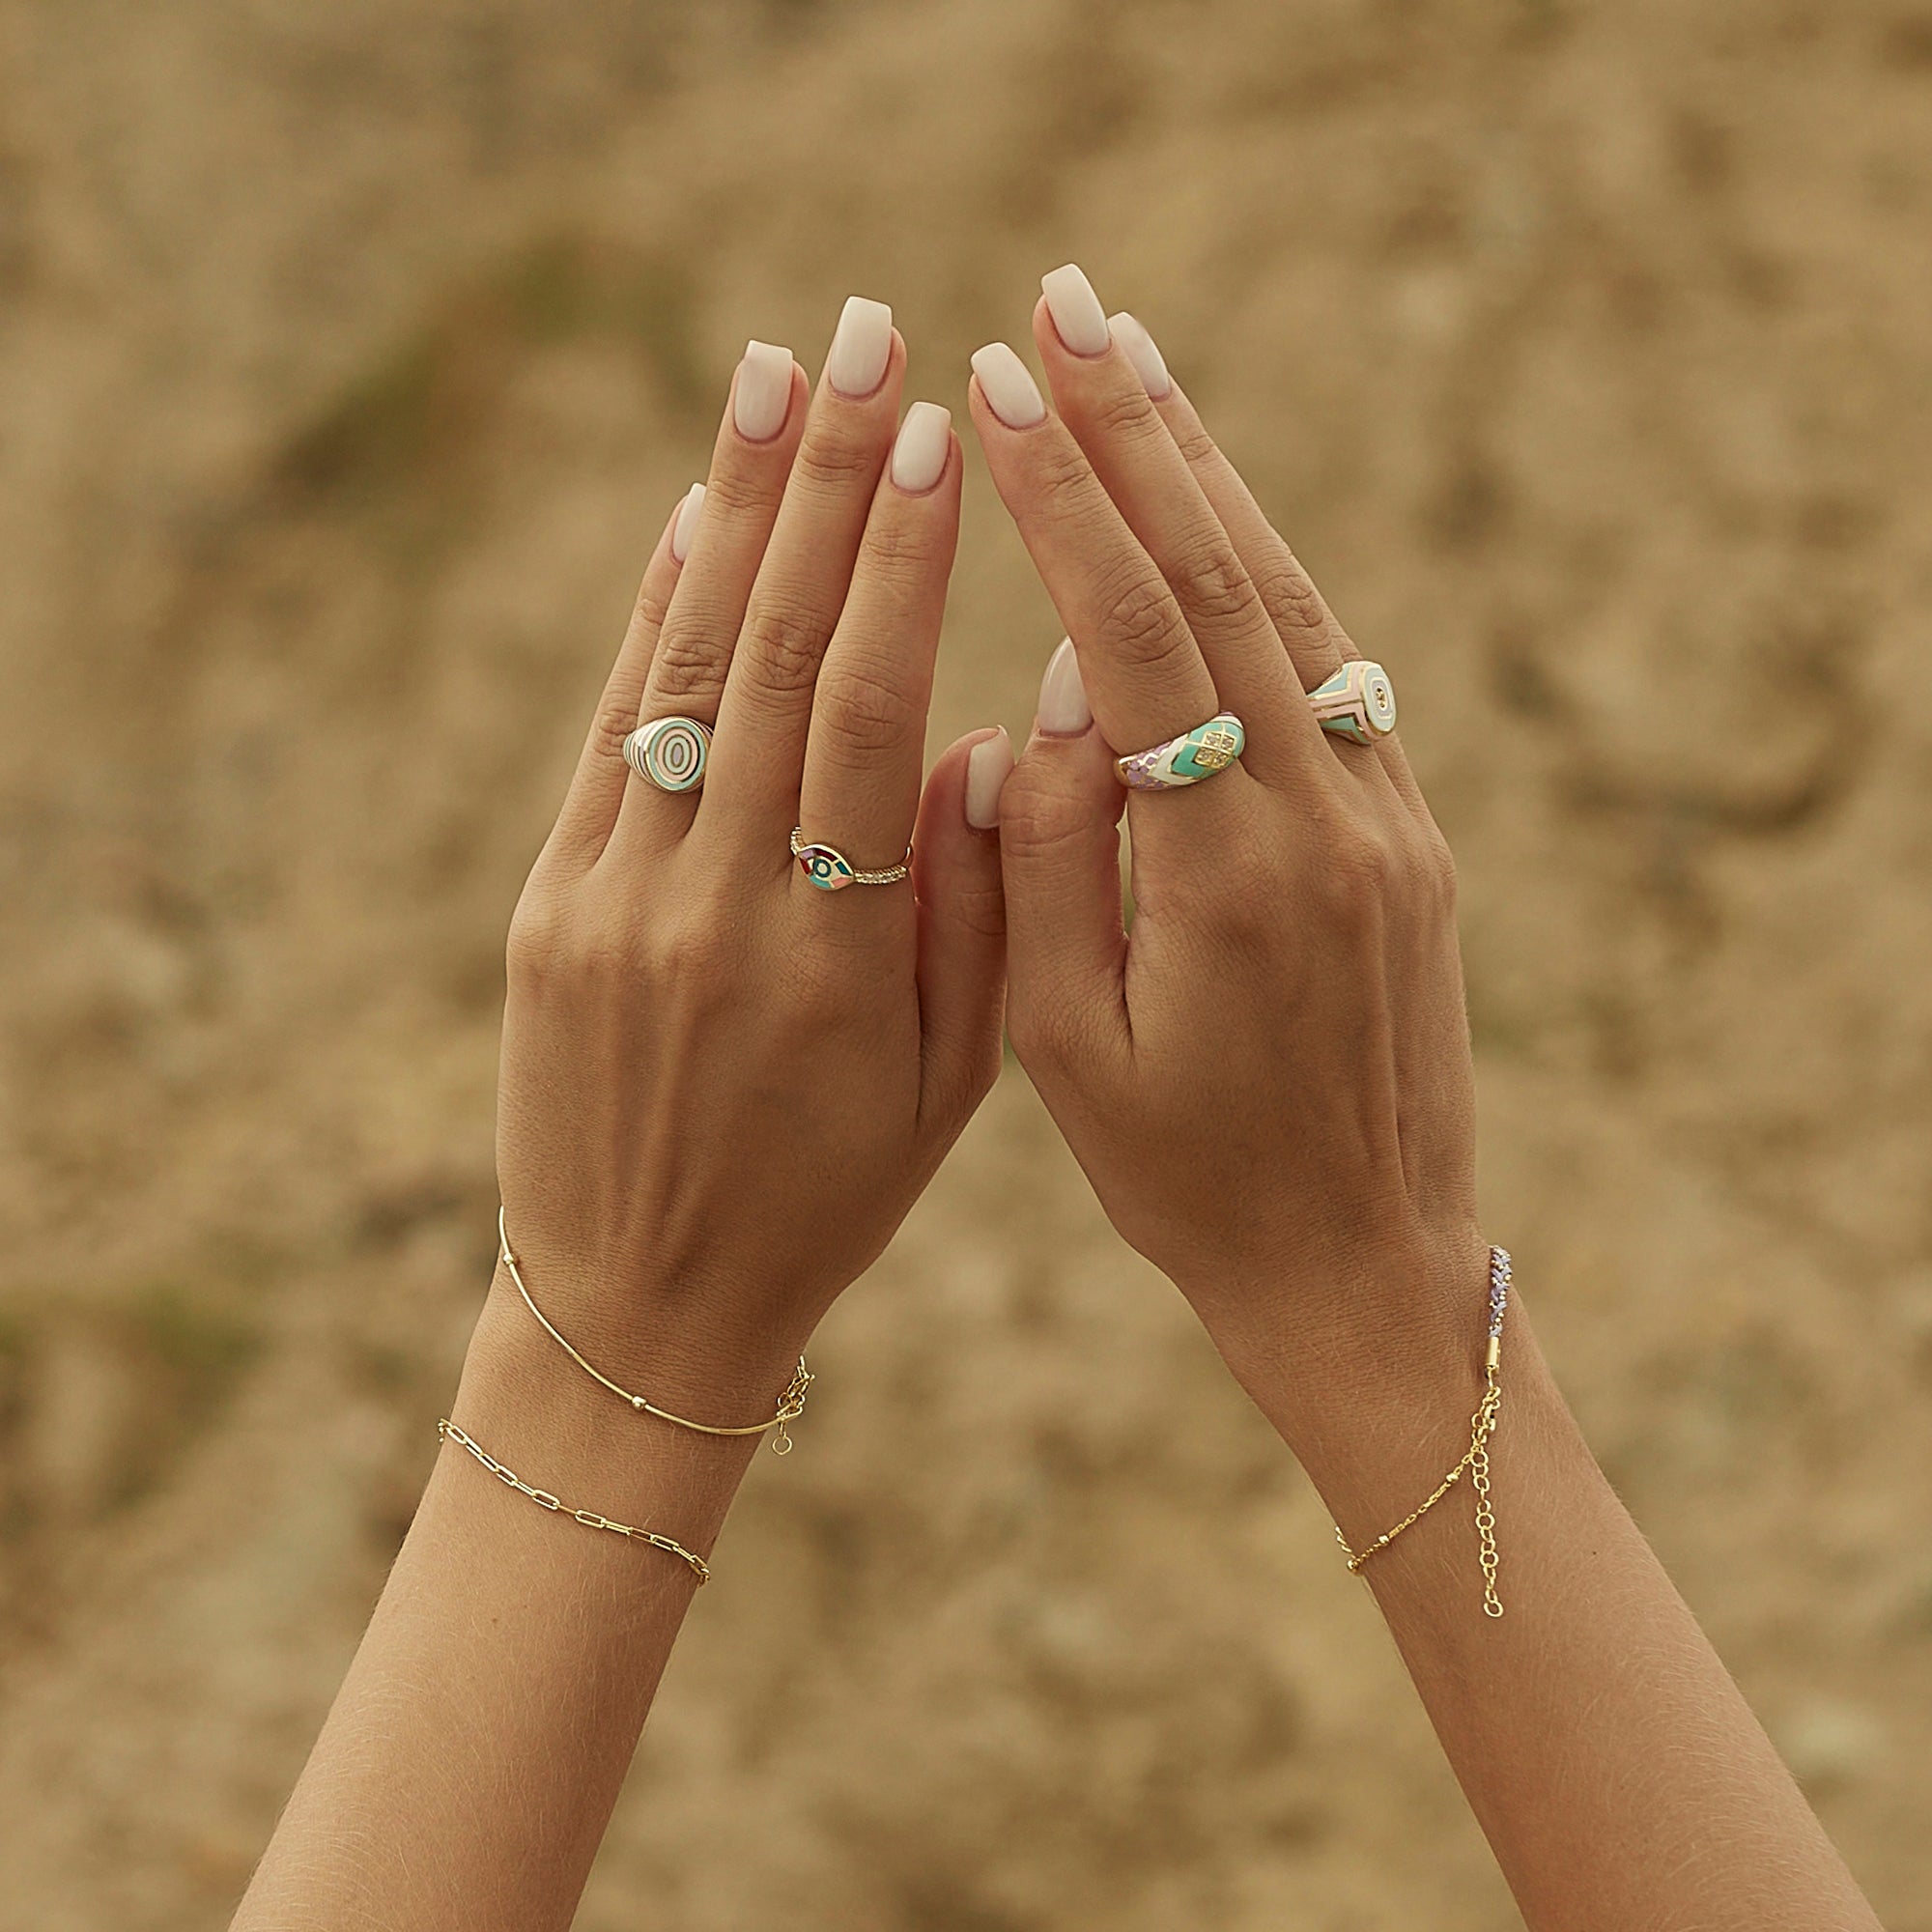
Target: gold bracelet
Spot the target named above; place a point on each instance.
(1475, 1460)
(448, 1431)
(791, 1404)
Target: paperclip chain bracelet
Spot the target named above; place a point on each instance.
(1475, 1460)
(791, 1404)
(589, 1519)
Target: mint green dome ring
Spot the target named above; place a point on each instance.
(1187, 760)
(669, 753)
(1357, 703)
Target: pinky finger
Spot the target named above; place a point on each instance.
(597, 789)
(963, 928)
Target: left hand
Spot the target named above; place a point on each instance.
(723, 1087)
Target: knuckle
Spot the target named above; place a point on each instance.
(653, 600)
(784, 644)
(686, 665)
(836, 462)
(979, 909)
(902, 549)
(615, 719)
(1126, 418)
(1141, 621)
(1359, 866)
(1439, 866)
(681, 952)
(1216, 583)
(1061, 473)
(1198, 447)
(1038, 820)
(1289, 595)
(735, 490)
(538, 947)
(869, 712)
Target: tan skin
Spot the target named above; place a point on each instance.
(722, 1089)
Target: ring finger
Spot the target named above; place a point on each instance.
(1314, 639)
(722, 538)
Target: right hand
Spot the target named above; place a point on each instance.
(1270, 1083)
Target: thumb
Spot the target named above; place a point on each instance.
(962, 931)
(1060, 851)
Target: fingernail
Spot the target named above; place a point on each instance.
(1064, 710)
(861, 345)
(686, 527)
(1142, 353)
(988, 764)
(762, 397)
(925, 442)
(1008, 387)
(1078, 318)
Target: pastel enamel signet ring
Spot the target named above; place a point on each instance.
(1358, 702)
(669, 753)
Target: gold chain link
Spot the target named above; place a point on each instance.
(589, 1519)
(1474, 1461)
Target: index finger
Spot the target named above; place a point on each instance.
(1145, 675)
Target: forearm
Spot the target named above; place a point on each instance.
(1611, 1762)
(470, 1762)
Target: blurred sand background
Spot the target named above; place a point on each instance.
(351, 359)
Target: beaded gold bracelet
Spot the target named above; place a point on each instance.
(1475, 1460)
(791, 1404)
(448, 1431)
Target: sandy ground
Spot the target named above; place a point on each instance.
(351, 359)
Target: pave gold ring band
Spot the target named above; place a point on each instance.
(669, 753)
(1185, 760)
(1358, 702)
(831, 871)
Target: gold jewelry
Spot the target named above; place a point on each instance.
(791, 1404)
(831, 871)
(448, 1431)
(1474, 1461)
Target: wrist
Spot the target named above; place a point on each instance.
(721, 1353)
(1373, 1382)
(526, 1401)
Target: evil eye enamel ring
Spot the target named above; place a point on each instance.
(831, 871)
(1185, 760)
(1357, 702)
(669, 753)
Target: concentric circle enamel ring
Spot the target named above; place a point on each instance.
(1357, 702)
(669, 753)
(1185, 760)
(831, 871)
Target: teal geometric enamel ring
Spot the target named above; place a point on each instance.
(669, 753)
(831, 871)
(1357, 702)
(1185, 760)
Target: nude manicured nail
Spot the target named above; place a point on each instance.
(1078, 318)
(686, 526)
(925, 442)
(1009, 387)
(861, 345)
(988, 764)
(762, 398)
(1064, 710)
(1143, 354)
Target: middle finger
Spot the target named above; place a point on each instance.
(802, 585)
